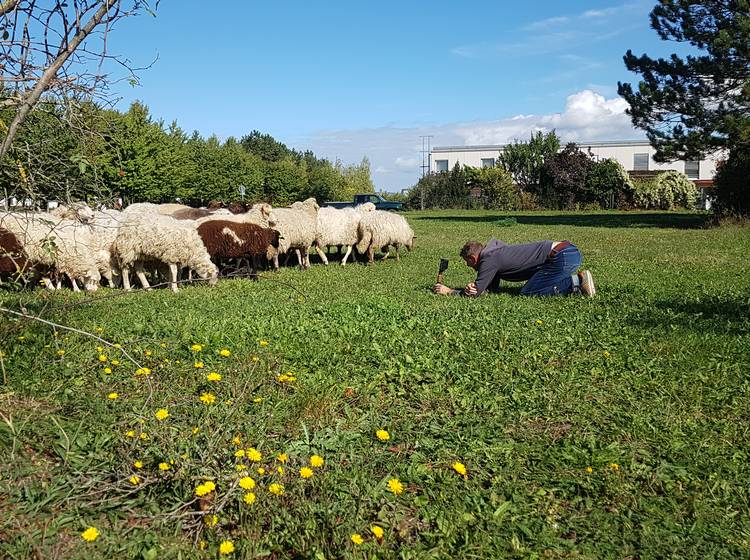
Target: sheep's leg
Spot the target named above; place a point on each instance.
(173, 276)
(48, 283)
(386, 252)
(254, 266)
(371, 254)
(299, 259)
(126, 279)
(74, 284)
(288, 256)
(348, 252)
(276, 262)
(397, 246)
(322, 255)
(307, 257)
(139, 272)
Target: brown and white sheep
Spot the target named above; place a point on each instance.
(225, 240)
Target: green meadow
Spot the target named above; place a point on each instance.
(612, 427)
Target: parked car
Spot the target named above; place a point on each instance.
(379, 202)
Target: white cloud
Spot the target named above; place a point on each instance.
(394, 152)
(546, 23)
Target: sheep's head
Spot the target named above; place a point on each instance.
(410, 244)
(208, 271)
(366, 207)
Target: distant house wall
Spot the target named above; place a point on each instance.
(632, 155)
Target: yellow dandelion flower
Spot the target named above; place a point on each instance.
(282, 458)
(280, 470)
(117, 345)
(196, 347)
(143, 371)
(164, 466)
(263, 342)
(205, 488)
(61, 352)
(305, 472)
(22, 338)
(357, 538)
(395, 486)
(224, 353)
(261, 471)
(134, 480)
(90, 534)
(202, 545)
(113, 396)
(130, 433)
(239, 453)
(253, 455)
(198, 365)
(281, 378)
(115, 362)
(107, 370)
(236, 440)
(291, 378)
(247, 483)
(100, 349)
(589, 470)
(257, 400)
(255, 358)
(277, 489)
(208, 398)
(226, 547)
(605, 354)
(249, 498)
(382, 435)
(99, 329)
(147, 352)
(539, 322)
(317, 461)
(240, 467)
(377, 531)
(213, 376)
(196, 430)
(102, 358)
(614, 466)
(162, 345)
(161, 414)
(211, 520)
(138, 464)
(143, 436)
(460, 468)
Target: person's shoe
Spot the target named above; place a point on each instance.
(587, 283)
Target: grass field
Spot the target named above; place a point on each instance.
(617, 427)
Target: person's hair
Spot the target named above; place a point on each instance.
(471, 248)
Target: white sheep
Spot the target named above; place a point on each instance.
(166, 209)
(104, 228)
(57, 243)
(151, 237)
(379, 230)
(75, 211)
(338, 226)
(298, 226)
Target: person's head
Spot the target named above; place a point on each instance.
(470, 253)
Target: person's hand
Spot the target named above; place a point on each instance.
(470, 289)
(441, 290)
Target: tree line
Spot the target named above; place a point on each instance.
(83, 151)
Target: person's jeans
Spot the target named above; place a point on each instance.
(554, 276)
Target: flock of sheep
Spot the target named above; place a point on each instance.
(85, 245)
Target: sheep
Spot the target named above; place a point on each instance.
(143, 237)
(12, 255)
(75, 211)
(339, 227)
(149, 207)
(56, 243)
(224, 239)
(261, 214)
(104, 228)
(196, 213)
(379, 229)
(298, 227)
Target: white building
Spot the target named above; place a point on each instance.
(633, 155)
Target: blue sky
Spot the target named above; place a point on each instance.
(354, 79)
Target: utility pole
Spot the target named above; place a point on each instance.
(426, 163)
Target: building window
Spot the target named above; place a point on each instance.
(441, 165)
(640, 162)
(693, 169)
(488, 162)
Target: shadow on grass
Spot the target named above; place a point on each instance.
(710, 315)
(611, 220)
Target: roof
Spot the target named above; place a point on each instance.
(499, 147)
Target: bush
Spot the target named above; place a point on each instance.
(666, 191)
(732, 196)
(498, 190)
(609, 184)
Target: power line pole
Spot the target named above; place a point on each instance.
(426, 162)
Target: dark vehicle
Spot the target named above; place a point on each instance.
(379, 202)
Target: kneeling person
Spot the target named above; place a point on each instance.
(549, 268)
